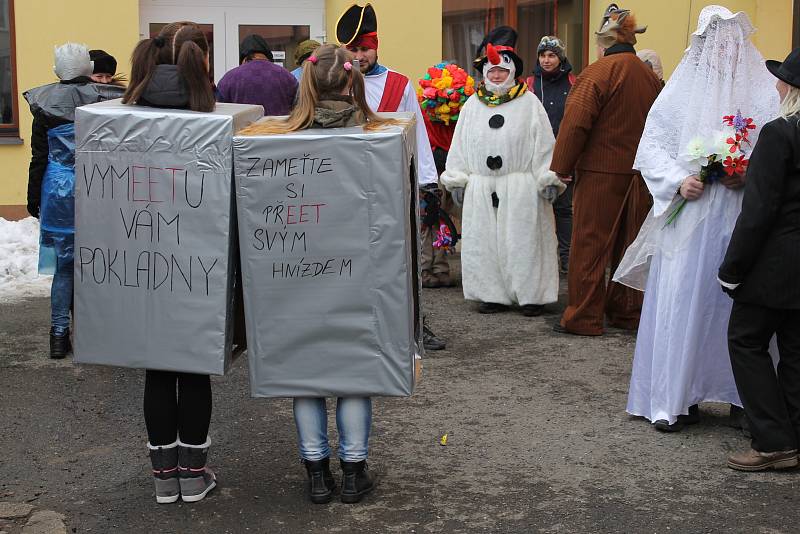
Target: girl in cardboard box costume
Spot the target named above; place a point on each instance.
(51, 177)
(331, 96)
(171, 71)
(498, 166)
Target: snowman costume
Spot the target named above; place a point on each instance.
(500, 156)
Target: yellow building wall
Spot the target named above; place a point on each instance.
(669, 25)
(40, 26)
(410, 32)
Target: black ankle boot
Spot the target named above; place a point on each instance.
(59, 345)
(320, 480)
(357, 481)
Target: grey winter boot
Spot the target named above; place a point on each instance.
(165, 472)
(196, 479)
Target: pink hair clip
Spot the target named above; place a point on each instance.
(348, 66)
(312, 59)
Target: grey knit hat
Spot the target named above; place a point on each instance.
(554, 45)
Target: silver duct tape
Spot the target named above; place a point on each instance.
(155, 239)
(328, 230)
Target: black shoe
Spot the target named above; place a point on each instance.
(320, 480)
(532, 310)
(59, 345)
(491, 307)
(357, 481)
(692, 418)
(430, 341)
(664, 426)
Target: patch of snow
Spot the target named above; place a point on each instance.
(19, 261)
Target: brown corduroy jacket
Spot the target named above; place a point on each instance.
(605, 115)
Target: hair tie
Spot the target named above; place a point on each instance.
(159, 42)
(348, 66)
(312, 59)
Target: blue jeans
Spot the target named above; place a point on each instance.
(61, 290)
(353, 420)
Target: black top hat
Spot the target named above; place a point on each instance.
(789, 70)
(355, 21)
(104, 63)
(504, 37)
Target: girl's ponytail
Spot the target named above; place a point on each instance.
(143, 62)
(179, 43)
(191, 61)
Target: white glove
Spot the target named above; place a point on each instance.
(549, 193)
(458, 195)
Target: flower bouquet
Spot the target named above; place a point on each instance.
(719, 156)
(443, 91)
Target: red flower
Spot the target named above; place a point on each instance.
(743, 163)
(734, 165)
(728, 119)
(735, 143)
(435, 73)
(459, 77)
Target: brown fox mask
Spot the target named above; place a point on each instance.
(618, 26)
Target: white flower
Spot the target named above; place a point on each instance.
(718, 144)
(696, 151)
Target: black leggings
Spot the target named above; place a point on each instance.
(186, 415)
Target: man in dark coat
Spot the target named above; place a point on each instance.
(551, 82)
(761, 271)
(258, 80)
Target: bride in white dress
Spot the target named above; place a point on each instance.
(681, 355)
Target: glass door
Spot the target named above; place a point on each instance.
(226, 22)
(282, 27)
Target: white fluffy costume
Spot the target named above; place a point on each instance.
(508, 253)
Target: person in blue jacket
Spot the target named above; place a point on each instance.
(51, 176)
(551, 82)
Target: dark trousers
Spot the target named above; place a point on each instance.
(177, 405)
(562, 208)
(771, 400)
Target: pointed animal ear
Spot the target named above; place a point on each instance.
(610, 9)
(492, 55)
(621, 16)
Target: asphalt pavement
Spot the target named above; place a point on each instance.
(538, 441)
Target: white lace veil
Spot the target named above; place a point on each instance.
(721, 73)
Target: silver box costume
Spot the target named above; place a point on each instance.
(328, 231)
(155, 236)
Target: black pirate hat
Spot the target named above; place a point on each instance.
(503, 40)
(355, 21)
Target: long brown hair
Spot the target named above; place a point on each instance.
(180, 43)
(324, 75)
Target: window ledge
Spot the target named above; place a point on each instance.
(11, 141)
